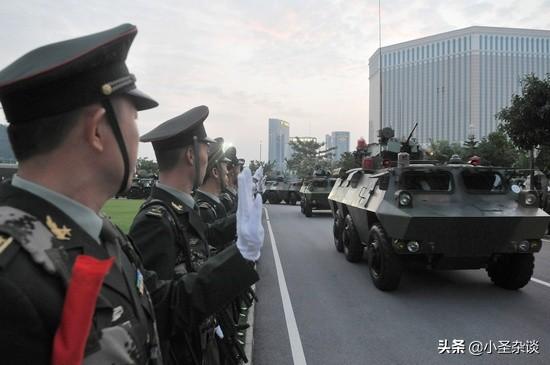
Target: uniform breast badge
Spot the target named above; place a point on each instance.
(61, 233)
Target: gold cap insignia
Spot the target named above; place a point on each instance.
(177, 207)
(5, 242)
(63, 233)
(106, 89)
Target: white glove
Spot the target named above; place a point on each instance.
(259, 180)
(250, 232)
(218, 331)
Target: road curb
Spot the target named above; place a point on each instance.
(249, 344)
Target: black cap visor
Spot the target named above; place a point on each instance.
(141, 100)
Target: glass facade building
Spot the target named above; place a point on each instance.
(452, 83)
(278, 148)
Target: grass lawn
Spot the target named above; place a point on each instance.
(122, 211)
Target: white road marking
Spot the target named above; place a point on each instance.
(295, 343)
(540, 282)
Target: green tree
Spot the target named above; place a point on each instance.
(543, 160)
(527, 120)
(470, 146)
(497, 150)
(146, 167)
(267, 166)
(306, 157)
(443, 150)
(347, 161)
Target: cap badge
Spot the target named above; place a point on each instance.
(106, 89)
(62, 233)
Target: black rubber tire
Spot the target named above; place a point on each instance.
(337, 226)
(292, 199)
(307, 209)
(274, 199)
(385, 267)
(353, 248)
(511, 271)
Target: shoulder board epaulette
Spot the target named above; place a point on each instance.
(29, 233)
(155, 211)
(208, 206)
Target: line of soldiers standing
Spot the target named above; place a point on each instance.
(75, 289)
(172, 243)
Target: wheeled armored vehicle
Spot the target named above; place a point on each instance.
(439, 216)
(279, 190)
(314, 194)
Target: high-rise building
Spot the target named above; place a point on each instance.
(328, 141)
(340, 140)
(453, 83)
(278, 149)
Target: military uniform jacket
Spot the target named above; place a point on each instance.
(124, 319)
(229, 199)
(159, 240)
(221, 228)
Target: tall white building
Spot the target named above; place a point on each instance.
(454, 81)
(278, 148)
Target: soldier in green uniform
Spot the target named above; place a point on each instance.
(229, 193)
(73, 288)
(168, 229)
(221, 225)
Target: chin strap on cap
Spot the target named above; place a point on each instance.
(196, 182)
(111, 117)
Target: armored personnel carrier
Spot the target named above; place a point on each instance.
(441, 216)
(314, 193)
(279, 190)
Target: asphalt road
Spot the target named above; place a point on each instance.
(343, 319)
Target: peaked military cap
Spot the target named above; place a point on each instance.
(215, 153)
(64, 76)
(180, 131)
(231, 154)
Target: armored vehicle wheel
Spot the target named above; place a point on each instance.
(337, 233)
(292, 199)
(307, 209)
(273, 199)
(353, 249)
(385, 266)
(512, 271)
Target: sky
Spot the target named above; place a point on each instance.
(304, 61)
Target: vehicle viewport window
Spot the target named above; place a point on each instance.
(426, 181)
(483, 181)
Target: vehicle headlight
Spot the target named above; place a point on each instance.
(413, 246)
(405, 199)
(523, 246)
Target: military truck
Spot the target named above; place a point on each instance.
(439, 216)
(314, 194)
(280, 189)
